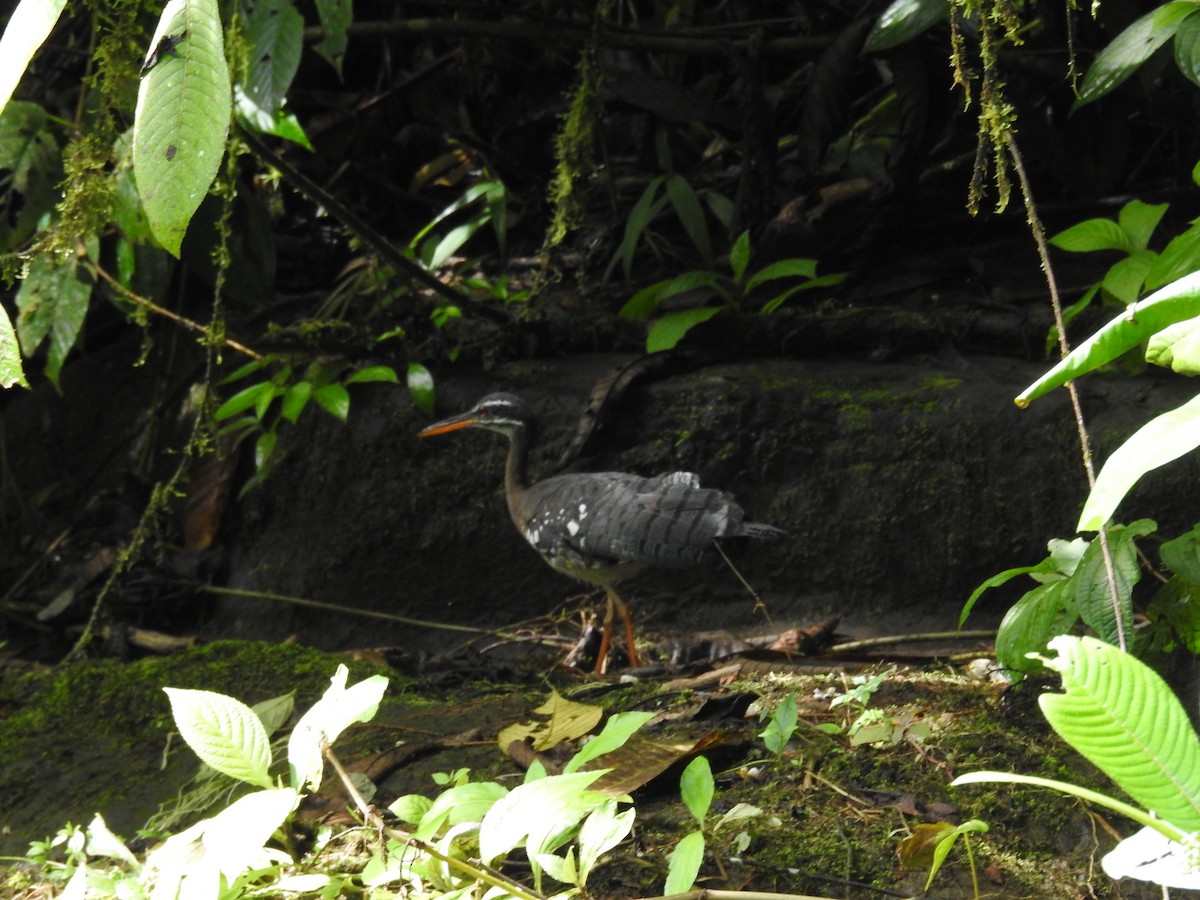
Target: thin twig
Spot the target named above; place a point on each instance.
(1064, 348)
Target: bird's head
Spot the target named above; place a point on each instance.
(507, 414)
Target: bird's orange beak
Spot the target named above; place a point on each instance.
(456, 423)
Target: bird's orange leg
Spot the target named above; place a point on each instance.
(606, 633)
(614, 603)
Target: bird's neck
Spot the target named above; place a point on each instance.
(516, 476)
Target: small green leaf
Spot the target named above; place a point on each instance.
(617, 730)
(1091, 235)
(182, 120)
(784, 268)
(410, 808)
(696, 788)
(374, 373)
(1138, 220)
(668, 331)
(1161, 440)
(248, 369)
(334, 399)
(691, 214)
(1031, 622)
(684, 864)
(902, 21)
(223, 732)
(10, 355)
(295, 398)
(1132, 47)
(263, 448)
(245, 399)
(29, 151)
(645, 302)
(462, 803)
(420, 387)
(336, 16)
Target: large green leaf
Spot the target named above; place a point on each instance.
(53, 300)
(336, 16)
(902, 21)
(1182, 555)
(1177, 347)
(1179, 257)
(1187, 48)
(28, 27)
(537, 812)
(183, 112)
(1093, 234)
(275, 35)
(223, 732)
(10, 355)
(1124, 718)
(1161, 440)
(1177, 301)
(1043, 612)
(1093, 598)
(1132, 47)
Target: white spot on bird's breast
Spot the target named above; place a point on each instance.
(572, 528)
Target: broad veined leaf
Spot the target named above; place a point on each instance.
(1124, 718)
(684, 864)
(1093, 597)
(1044, 612)
(1161, 440)
(223, 732)
(28, 27)
(1093, 234)
(1132, 47)
(182, 120)
(902, 21)
(1182, 555)
(1125, 277)
(538, 812)
(1177, 347)
(275, 35)
(1177, 301)
(53, 302)
(668, 331)
(338, 708)
(1187, 48)
(10, 355)
(336, 16)
(1138, 220)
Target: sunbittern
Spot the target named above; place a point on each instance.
(603, 527)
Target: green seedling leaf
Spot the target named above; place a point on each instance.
(648, 205)
(696, 787)
(684, 864)
(1180, 257)
(602, 830)
(668, 331)
(1123, 717)
(1177, 301)
(53, 300)
(274, 712)
(902, 21)
(336, 16)
(1092, 594)
(1182, 555)
(27, 29)
(691, 214)
(334, 399)
(1043, 613)
(1132, 47)
(739, 256)
(784, 268)
(945, 842)
(1093, 234)
(410, 808)
(1125, 278)
(782, 725)
(463, 803)
(617, 730)
(224, 732)
(337, 709)
(10, 355)
(1161, 440)
(538, 813)
(420, 387)
(30, 169)
(182, 120)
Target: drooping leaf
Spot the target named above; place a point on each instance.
(537, 812)
(903, 20)
(1138, 220)
(1031, 622)
(1187, 48)
(1177, 301)
(1178, 258)
(28, 27)
(691, 214)
(182, 119)
(684, 864)
(668, 331)
(997, 580)
(223, 732)
(53, 302)
(1164, 438)
(1132, 47)
(334, 399)
(1093, 596)
(274, 31)
(336, 16)
(1121, 715)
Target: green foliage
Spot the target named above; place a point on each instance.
(53, 301)
(1119, 714)
(781, 727)
(253, 412)
(1131, 48)
(696, 787)
(732, 290)
(486, 201)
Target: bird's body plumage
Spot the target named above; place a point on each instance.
(603, 527)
